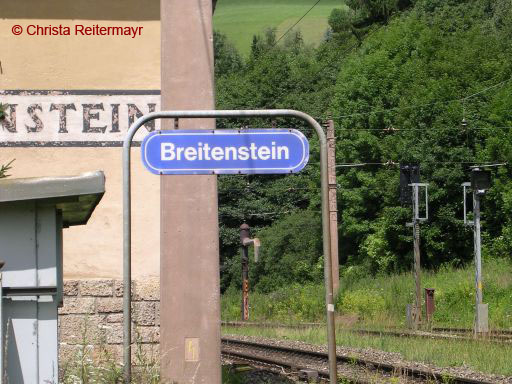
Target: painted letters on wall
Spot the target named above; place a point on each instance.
(74, 118)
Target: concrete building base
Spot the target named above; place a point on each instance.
(92, 317)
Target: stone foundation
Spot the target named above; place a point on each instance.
(92, 317)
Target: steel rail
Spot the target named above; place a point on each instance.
(386, 367)
(271, 361)
(283, 363)
(498, 332)
(329, 297)
(436, 333)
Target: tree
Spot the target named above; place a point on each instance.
(226, 57)
(502, 18)
(409, 74)
(371, 11)
(397, 96)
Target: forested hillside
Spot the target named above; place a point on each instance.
(398, 77)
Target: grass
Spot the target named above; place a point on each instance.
(478, 355)
(241, 19)
(93, 361)
(231, 376)
(381, 301)
(289, 305)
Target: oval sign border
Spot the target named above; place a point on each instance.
(226, 171)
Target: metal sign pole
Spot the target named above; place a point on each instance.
(417, 257)
(329, 298)
(481, 309)
(480, 182)
(477, 245)
(417, 272)
(417, 218)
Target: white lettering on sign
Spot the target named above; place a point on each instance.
(74, 118)
(169, 152)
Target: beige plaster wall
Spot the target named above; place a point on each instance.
(89, 62)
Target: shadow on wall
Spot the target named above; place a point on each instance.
(136, 10)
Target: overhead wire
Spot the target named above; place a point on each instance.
(328, 63)
(297, 22)
(389, 163)
(338, 187)
(393, 130)
(461, 99)
(401, 108)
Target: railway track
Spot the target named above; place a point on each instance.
(504, 336)
(350, 369)
(497, 332)
(501, 338)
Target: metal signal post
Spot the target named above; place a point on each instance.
(480, 182)
(417, 218)
(410, 182)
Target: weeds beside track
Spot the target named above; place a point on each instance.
(351, 369)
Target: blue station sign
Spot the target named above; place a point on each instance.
(247, 151)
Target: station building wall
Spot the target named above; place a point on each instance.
(103, 65)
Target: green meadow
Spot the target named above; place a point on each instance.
(240, 20)
(380, 301)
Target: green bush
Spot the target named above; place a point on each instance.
(292, 304)
(364, 302)
(382, 300)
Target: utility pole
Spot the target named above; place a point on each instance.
(246, 241)
(480, 182)
(333, 205)
(478, 250)
(189, 261)
(409, 180)
(417, 267)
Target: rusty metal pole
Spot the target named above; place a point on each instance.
(244, 234)
(189, 245)
(333, 206)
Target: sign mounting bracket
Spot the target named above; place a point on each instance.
(329, 297)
